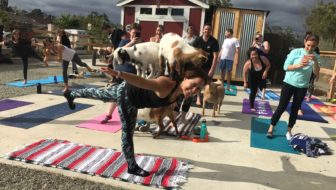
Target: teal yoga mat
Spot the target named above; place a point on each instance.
(40, 116)
(232, 92)
(48, 80)
(259, 127)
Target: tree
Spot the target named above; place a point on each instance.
(67, 21)
(223, 3)
(322, 20)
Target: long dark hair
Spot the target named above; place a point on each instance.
(191, 71)
(249, 51)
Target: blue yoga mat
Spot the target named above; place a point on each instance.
(313, 100)
(269, 95)
(233, 90)
(308, 113)
(48, 80)
(37, 117)
(259, 127)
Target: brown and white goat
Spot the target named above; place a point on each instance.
(177, 52)
(156, 115)
(214, 93)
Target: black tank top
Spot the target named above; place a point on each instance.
(256, 75)
(143, 98)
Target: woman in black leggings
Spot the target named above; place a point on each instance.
(299, 66)
(255, 69)
(22, 48)
(137, 92)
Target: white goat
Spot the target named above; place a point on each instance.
(143, 55)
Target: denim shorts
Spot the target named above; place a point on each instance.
(225, 64)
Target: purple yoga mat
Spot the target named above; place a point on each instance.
(262, 108)
(7, 104)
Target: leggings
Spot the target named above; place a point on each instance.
(25, 66)
(287, 91)
(65, 65)
(186, 104)
(127, 112)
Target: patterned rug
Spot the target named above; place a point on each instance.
(109, 163)
(184, 129)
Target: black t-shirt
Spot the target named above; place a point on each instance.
(115, 37)
(209, 46)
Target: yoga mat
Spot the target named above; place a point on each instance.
(269, 94)
(313, 100)
(7, 104)
(37, 117)
(308, 113)
(48, 80)
(262, 108)
(184, 129)
(232, 92)
(259, 127)
(328, 110)
(113, 126)
(104, 162)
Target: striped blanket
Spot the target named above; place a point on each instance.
(184, 129)
(165, 172)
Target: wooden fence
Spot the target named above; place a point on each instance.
(328, 67)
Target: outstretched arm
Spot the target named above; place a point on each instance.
(161, 85)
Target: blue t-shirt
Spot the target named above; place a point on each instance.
(299, 77)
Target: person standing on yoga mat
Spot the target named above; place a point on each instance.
(255, 70)
(23, 48)
(66, 55)
(299, 65)
(137, 92)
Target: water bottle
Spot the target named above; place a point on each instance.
(39, 88)
(55, 79)
(203, 129)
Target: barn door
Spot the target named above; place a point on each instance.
(148, 29)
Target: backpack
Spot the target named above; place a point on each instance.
(312, 147)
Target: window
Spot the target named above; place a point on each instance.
(145, 11)
(177, 12)
(161, 12)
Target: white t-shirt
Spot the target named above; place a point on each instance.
(68, 53)
(229, 48)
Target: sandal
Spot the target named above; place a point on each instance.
(106, 119)
(269, 135)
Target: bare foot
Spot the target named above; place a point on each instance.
(24, 82)
(198, 103)
(253, 109)
(65, 89)
(46, 64)
(300, 112)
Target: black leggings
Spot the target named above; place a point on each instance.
(65, 65)
(25, 66)
(287, 91)
(186, 103)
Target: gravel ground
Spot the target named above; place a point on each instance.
(15, 177)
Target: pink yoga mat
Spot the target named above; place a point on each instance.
(112, 126)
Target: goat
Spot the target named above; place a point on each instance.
(214, 93)
(177, 52)
(156, 115)
(143, 55)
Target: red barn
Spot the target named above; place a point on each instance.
(174, 15)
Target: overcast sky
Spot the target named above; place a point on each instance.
(283, 12)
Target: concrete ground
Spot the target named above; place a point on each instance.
(226, 162)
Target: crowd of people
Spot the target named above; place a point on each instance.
(129, 92)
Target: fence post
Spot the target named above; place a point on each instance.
(331, 92)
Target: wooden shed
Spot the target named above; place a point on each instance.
(174, 15)
(245, 24)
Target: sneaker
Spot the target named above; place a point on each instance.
(67, 95)
(106, 119)
(288, 136)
